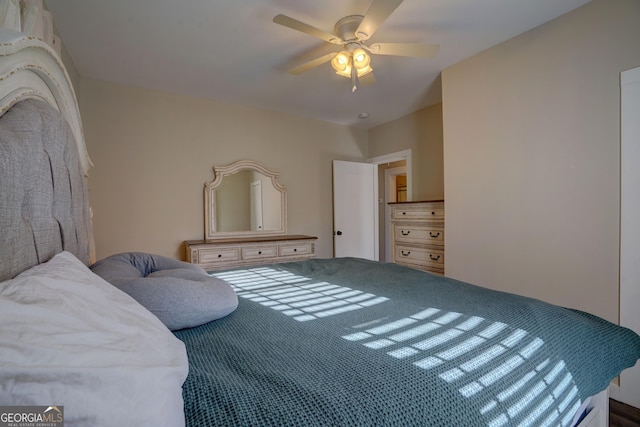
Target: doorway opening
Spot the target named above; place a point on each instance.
(394, 185)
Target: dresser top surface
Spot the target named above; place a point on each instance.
(258, 239)
(415, 202)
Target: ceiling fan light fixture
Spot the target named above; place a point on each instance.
(361, 61)
(364, 70)
(360, 58)
(344, 61)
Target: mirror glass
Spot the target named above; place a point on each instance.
(244, 199)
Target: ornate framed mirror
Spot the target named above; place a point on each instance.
(244, 199)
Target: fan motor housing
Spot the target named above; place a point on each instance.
(346, 27)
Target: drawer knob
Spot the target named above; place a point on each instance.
(404, 213)
(259, 252)
(436, 258)
(433, 213)
(405, 233)
(405, 253)
(295, 249)
(219, 255)
(434, 235)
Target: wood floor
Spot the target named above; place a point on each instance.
(621, 415)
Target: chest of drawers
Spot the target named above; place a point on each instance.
(236, 252)
(418, 235)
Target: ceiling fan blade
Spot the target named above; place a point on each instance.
(378, 12)
(306, 28)
(416, 50)
(312, 64)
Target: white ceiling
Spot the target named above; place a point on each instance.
(230, 50)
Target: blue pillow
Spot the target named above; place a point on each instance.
(180, 294)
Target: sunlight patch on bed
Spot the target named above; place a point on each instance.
(506, 370)
(296, 296)
(483, 360)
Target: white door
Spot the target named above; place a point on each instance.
(355, 210)
(629, 226)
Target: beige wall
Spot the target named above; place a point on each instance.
(531, 159)
(422, 133)
(153, 151)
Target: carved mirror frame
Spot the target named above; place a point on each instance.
(219, 172)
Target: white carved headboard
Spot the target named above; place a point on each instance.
(29, 68)
(44, 206)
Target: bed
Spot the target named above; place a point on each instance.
(355, 342)
(320, 342)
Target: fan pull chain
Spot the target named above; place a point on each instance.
(354, 78)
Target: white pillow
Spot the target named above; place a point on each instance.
(69, 338)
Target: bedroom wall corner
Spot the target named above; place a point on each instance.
(422, 133)
(531, 159)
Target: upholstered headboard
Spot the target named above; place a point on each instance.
(44, 207)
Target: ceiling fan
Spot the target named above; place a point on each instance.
(351, 33)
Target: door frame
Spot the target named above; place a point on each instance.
(384, 224)
(394, 157)
(629, 274)
(390, 183)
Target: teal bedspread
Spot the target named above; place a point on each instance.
(349, 342)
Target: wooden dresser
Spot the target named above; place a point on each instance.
(245, 251)
(418, 234)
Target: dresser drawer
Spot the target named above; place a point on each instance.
(434, 212)
(216, 255)
(419, 256)
(257, 252)
(293, 249)
(427, 235)
(249, 251)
